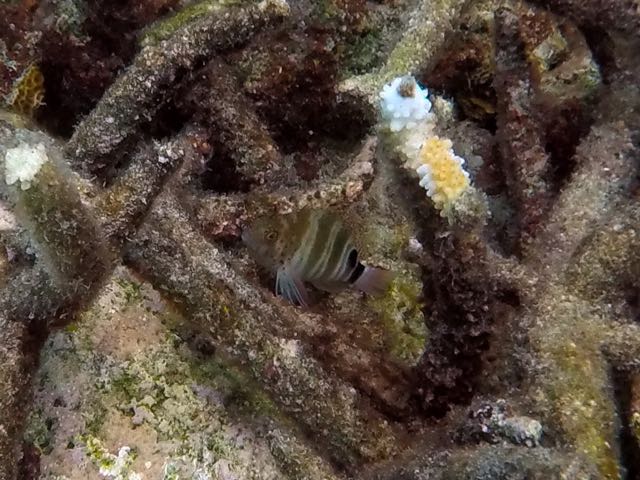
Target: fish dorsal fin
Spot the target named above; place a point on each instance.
(290, 286)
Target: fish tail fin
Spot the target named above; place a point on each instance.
(374, 281)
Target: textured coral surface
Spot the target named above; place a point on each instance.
(139, 340)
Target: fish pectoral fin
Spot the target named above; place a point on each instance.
(328, 286)
(291, 287)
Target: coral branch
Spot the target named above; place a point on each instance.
(520, 136)
(124, 203)
(240, 135)
(223, 215)
(604, 161)
(135, 95)
(197, 277)
(572, 375)
(621, 15)
(611, 257)
(48, 205)
(431, 24)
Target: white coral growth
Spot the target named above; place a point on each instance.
(404, 104)
(410, 130)
(23, 163)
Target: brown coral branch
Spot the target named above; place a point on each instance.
(240, 135)
(621, 15)
(604, 161)
(123, 205)
(199, 279)
(222, 216)
(15, 377)
(136, 95)
(519, 134)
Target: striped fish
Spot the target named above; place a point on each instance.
(311, 246)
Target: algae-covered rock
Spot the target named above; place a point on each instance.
(120, 396)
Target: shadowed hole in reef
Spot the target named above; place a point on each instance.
(563, 134)
(602, 48)
(459, 319)
(629, 447)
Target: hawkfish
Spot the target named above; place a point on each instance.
(311, 246)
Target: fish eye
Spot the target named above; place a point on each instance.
(270, 235)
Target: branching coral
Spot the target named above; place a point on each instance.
(185, 153)
(134, 96)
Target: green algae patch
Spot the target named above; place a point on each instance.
(364, 53)
(401, 313)
(243, 394)
(131, 290)
(40, 431)
(117, 467)
(400, 309)
(165, 28)
(576, 383)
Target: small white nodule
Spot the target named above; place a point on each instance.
(22, 163)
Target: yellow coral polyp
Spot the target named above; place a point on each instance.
(28, 91)
(441, 172)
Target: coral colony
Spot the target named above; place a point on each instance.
(405, 112)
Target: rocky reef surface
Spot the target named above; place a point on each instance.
(138, 340)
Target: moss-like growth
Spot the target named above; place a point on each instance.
(40, 431)
(576, 380)
(163, 29)
(401, 312)
(363, 53)
(131, 290)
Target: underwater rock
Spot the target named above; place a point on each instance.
(492, 423)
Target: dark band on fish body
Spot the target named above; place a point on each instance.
(359, 270)
(353, 258)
